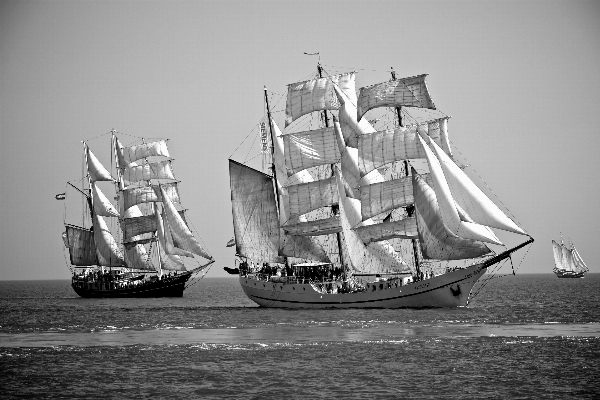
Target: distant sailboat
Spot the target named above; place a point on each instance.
(140, 250)
(568, 262)
(317, 231)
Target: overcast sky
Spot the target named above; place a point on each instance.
(520, 79)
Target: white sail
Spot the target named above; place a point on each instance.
(396, 93)
(385, 196)
(350, 126)
(445, 141)
(403, 229)
(568, 258)
(107, 248)
(170, 262)
(579, 264)
(102, 206)
(348, 162)
(181, 233)
(292, 246)
(165, 237)
(306, 197)
(475, 203)
(447, 207)
(136, 257)
(255, 219)
(309, 149)
(96, 170)
(81, 244)
(129, 154)
(559, 261)
(145, 172)
(136, 226)
(437, 241)
(317, 94)
(374, 258)
(384, 147)
(148, 194)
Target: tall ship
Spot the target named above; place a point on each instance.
(567, 261)
(139, 245)
(363, 203)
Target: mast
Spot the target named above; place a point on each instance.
(334, 208)
(273, 168)
(410, 210)
(272, 151)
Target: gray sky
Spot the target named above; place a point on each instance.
(520, 79)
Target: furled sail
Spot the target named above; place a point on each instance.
(437, 241)
(317, 94)
(309, 149)
(149, 194)
(129, 154)
(374, 258)
(410, 92)
(255, 219)
(403, 229)
(96, 170)
(475, 203)
(447, 207)
(145, 172)
(82, 248)
(318, 227)
(102, 206)
(107, 248)
(181, 233)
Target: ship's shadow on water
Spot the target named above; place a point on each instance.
(535, 336)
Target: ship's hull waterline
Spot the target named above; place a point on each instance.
(561, 274)
(448, 290)
(171, 287)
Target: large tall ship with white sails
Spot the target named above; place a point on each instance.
(139, 245)
(349, 215)
(567, 261)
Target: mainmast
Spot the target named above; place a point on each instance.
(334, 208)
(410, 209)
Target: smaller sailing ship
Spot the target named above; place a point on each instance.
(144, 247)
(568, 262)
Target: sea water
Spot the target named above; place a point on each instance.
(523, 336)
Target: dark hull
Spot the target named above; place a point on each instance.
(568, 274)
(170, 287)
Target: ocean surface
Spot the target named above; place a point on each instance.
(524, 336)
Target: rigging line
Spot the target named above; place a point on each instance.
(86, 140)
(357, 69)
(484, 182)
(197, 236)
(240, 145)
